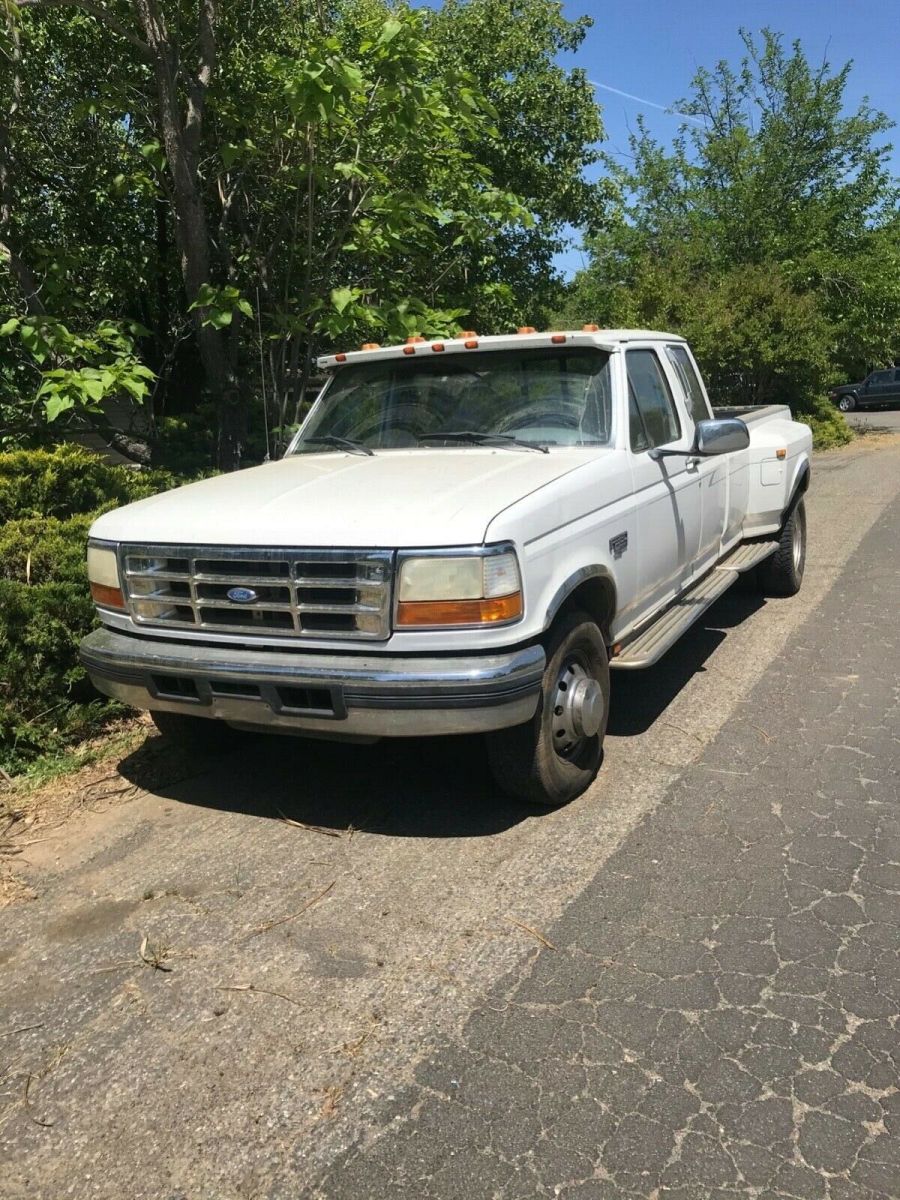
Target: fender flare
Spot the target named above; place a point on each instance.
(574, 581)
(801, 487)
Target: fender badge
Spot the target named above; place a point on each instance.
(618, 545)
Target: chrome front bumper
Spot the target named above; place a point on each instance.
(329, 695)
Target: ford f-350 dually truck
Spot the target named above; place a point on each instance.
(463, 537)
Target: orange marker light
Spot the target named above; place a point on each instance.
(558, 339)
(781, 453)
(437, 347)
(459, 612)
(590, 329)
(467, 333)
(108, 597)
(416, 337)
(370, 346)
(409, 349)
(340, 358)
(526, 329)
(472, 344)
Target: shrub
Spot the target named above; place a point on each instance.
(68, 480)
(829, 429)
(48, 500)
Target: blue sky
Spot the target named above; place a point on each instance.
(651, 48)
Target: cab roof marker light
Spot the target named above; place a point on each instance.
(409, 349)
(340, 358)
(370, 346)
(414, 338)
(590, 329)
(471, 344)
(526, 329)
(467, 333)
(558, 339)
(437, 347)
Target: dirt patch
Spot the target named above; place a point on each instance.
(31, 812)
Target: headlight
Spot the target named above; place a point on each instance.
(438, 590)
(103, 573)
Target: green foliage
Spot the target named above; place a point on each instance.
(354, 163)
(766, 234)
(68, 481)
(47, 504)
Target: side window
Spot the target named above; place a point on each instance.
(652, 416)
(690, 382)
(880, 377)
(897, 377)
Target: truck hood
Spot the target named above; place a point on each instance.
(393, 499)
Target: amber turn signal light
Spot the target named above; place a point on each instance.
(107, 597)
(459, 612)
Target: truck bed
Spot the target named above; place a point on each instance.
(752, 412)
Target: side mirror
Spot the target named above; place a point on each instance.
(721, 437)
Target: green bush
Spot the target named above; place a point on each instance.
(829, 429)
(67, 481)
(48, 500)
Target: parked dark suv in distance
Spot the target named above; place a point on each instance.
(881, 387)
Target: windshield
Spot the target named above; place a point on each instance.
(547, 397)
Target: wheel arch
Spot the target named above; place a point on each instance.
(592, 590)
(799, 488)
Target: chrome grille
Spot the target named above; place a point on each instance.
(304, 593)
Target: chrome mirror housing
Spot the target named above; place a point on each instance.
(721, 436)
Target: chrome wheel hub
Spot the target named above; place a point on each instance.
(577, 708)
(798, 548)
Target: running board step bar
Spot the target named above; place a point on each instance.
(651, 643)
(748, 556)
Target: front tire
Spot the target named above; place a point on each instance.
(782, 573)
(556, 755)
(193, 733)
(847, 403)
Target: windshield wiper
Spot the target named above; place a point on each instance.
(477, 438)
(330, 439)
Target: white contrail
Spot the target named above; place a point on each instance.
(640, 99)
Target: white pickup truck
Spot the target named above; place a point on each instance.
(463, 537)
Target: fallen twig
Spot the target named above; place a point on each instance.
(27, 1102)
(251, 987)
(335, 833)
(291, 916)
(21, 1029)
(534, 933)
(157, 955)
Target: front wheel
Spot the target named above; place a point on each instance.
(782, 573)
(557, 754)
(847, 403)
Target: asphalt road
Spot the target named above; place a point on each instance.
(361, 1000)
(875, 420)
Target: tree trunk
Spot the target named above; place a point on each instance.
(182, 143)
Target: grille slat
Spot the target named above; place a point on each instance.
(308, 593)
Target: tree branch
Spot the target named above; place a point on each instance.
(94, 10)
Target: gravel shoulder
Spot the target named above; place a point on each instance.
(225, 983)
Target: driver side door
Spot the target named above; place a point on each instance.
(667, 490)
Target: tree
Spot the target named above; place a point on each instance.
(767, 232)
(281, 175)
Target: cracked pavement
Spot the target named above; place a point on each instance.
(719, 1014)
(359, 1003)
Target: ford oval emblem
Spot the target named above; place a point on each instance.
(242, 595)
